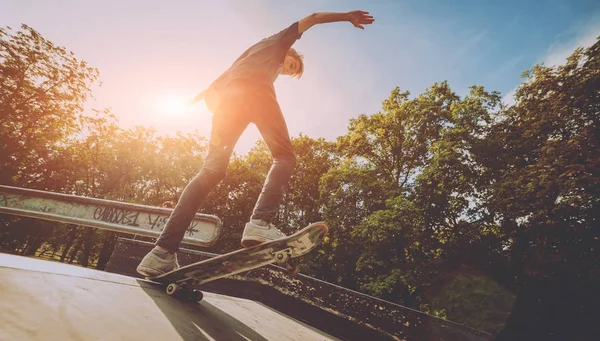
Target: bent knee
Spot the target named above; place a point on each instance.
(288, 159)
(214, 175)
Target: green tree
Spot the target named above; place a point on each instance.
(384, 152)
(42, 91)
(407, 203)
(392, 147)
(461, 234)
(545, 158)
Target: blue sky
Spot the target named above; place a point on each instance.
(152, 52)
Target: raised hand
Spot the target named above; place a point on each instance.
(360, 18)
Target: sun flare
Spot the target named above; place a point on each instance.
(172, 114)
(173, 107)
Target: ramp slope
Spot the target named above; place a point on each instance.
(43, 300)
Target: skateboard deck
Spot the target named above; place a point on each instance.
(182, 281)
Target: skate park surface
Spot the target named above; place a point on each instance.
(44, 300)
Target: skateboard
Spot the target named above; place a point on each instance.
(182, 282)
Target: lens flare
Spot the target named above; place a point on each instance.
(173, 107)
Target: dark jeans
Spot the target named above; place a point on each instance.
(233, 109)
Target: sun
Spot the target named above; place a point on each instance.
(173, 107)
(171, 113)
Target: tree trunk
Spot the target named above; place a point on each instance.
(71, 239)
(74, 253)
(33, 245)
(87, 246)
(106, 250)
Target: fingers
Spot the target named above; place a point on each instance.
(368, 18)
(364, 14)
(364, 17)
(364, 22)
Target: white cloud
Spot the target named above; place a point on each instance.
(559, 51)
(509, 97)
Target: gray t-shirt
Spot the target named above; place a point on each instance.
(262, 61)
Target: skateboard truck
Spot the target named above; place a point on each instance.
(282, 257)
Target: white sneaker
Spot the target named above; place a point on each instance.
(157, 262)
(258, 232)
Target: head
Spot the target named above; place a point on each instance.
(293, 64)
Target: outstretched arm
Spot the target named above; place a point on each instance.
(357, 18)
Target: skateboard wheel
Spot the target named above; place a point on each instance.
(281, 257)
(196, 295)
(173, 289)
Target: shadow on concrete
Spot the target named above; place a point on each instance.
(199, 321)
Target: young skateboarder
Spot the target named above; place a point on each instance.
(242, 95)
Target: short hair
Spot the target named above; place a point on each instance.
(300, 59)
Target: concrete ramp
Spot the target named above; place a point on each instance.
(43, 300)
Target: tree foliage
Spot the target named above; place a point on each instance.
(42, 91)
